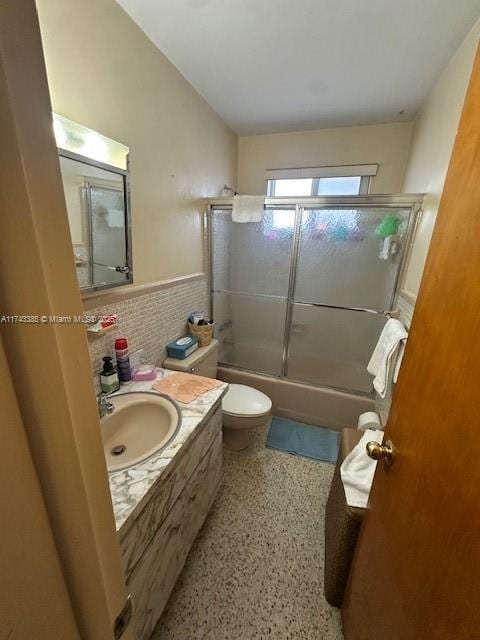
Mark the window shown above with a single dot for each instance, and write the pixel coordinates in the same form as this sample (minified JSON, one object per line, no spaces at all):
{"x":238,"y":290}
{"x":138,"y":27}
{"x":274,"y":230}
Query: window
{"x":320,"y":181}
{"x":290,"y":187}
{"x":344,"y":186}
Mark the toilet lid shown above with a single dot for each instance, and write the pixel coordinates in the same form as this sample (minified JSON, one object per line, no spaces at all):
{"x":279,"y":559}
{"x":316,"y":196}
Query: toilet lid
{"x":241,"y":400}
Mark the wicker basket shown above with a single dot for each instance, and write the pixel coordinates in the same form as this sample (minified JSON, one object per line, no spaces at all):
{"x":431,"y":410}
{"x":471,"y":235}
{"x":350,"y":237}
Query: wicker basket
{"x":204,"y":333}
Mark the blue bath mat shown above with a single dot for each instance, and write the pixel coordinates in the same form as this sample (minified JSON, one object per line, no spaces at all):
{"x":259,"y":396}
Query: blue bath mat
{"x":304,"y":440}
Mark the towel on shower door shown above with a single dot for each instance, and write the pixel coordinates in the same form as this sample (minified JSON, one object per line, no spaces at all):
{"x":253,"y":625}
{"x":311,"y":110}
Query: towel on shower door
{"x":398,"y":363}
{"x":383,"y":355}
{"x":357,"y":470}
{"x":248,"y":208}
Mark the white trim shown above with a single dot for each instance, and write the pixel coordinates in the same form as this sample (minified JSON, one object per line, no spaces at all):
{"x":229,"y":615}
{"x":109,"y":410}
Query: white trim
{"x":323,"y":172}
{"x":365,"y":184}
{"x":409,"y":296}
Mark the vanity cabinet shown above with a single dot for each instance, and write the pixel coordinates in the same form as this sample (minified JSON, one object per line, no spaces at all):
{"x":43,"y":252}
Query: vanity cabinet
{"x":156,"y":544}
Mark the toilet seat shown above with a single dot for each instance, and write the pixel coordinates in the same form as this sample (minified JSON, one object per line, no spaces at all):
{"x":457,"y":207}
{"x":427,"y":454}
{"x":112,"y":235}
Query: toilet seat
{"x":242,"y":401}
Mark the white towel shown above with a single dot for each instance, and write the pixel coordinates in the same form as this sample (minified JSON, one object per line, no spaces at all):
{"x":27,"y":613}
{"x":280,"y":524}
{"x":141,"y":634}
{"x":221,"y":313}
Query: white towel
{"x":398,"y":363}
{"x":357,"y":471}
{"x":116,"y":218}
{"x":248,"y":208}
{"x":383,"y":355}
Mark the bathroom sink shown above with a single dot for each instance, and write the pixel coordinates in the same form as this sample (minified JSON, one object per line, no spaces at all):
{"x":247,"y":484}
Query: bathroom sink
{"x":141,"y":424}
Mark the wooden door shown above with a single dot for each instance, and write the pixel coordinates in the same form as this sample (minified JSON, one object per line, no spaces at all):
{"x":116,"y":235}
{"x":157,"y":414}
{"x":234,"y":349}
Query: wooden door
{"x":416,"y":573}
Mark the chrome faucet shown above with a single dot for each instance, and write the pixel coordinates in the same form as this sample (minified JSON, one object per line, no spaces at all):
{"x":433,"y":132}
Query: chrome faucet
{"x":104,"y":405}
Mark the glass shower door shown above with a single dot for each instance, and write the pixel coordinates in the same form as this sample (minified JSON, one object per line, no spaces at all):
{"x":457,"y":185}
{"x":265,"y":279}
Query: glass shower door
{"x":251,"y":274}
{"x":346,"y":272}
{"x":108,"y":238}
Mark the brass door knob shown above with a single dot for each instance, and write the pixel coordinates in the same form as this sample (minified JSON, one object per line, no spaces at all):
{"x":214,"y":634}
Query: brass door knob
{"x":378,"y":451}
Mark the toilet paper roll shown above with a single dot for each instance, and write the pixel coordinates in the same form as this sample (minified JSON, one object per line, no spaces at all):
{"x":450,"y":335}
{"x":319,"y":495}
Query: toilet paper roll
{"x":369,"y":420}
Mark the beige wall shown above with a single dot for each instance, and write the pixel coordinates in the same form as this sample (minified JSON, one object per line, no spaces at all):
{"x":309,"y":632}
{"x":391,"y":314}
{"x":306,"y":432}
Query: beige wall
{"x":386,"y":144}
{"x":434,"y":133}
{"x":106,"y":74}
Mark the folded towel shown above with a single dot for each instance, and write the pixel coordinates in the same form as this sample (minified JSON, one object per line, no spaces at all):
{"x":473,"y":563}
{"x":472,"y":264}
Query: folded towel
{"x":357,"y":471}
{"x":383,"y":355}
{"x":185,"y":387}
{"x":248,"y":208}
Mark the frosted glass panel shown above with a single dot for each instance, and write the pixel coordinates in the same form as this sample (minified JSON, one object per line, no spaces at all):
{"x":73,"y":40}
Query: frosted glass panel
{"x":333,"y":346}
{"x":250,"y":331}
{"x":253,"y":257}
{"x":108,"y":234}
{"x":350,"y":257}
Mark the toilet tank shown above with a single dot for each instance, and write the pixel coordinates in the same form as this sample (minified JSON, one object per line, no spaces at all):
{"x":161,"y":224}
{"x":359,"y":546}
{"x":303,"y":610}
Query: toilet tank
{"x":203,"y":361}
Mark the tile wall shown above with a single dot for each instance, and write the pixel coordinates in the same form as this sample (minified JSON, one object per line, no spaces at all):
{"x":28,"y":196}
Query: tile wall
{"x":150,"y":321}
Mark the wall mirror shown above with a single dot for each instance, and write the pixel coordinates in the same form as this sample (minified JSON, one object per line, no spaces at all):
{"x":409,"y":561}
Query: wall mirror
{"x":95,"y":181}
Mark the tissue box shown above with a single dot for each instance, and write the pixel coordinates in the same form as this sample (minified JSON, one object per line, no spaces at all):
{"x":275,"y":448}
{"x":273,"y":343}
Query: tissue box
{"x":183,"y":347}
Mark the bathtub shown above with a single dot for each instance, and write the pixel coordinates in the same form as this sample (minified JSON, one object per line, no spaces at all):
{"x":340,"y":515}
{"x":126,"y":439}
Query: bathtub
{"x":303,"y":402}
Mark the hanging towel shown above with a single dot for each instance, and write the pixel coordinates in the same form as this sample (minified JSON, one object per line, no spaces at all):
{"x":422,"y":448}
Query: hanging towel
{"x":116,"y":218}
{"x":383,"y":355}
{"x":398,"y":363}
{"x":248,"y":208}
{"x":357,"y":471}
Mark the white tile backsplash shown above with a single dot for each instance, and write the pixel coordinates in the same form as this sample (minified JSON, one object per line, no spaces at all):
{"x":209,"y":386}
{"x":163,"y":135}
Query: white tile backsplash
{"x":150,"y":321}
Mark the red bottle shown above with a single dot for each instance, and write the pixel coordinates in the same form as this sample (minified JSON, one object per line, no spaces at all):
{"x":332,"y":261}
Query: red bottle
{"x":123,"y":361}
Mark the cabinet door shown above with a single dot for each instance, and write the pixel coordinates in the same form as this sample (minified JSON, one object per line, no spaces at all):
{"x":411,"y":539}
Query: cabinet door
{"x":154,"y":577}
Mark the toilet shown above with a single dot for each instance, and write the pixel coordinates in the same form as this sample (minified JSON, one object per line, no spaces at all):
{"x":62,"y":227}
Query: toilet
{"x":244,"y":409}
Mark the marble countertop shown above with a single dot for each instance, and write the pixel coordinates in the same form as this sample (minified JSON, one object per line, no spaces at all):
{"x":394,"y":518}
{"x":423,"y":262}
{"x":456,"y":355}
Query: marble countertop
{"x":129,"y":487}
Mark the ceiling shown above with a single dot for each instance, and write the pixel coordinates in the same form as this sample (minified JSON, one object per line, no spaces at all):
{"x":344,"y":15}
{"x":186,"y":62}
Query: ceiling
{"x":288,"y":65}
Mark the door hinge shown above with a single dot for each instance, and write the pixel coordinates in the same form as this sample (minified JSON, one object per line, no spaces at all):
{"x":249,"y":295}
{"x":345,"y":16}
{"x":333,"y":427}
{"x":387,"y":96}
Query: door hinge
{"x":123,"y":619}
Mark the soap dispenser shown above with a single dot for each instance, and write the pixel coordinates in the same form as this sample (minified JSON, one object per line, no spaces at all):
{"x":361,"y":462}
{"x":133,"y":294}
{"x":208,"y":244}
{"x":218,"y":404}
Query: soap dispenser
{"x":109,"y":377}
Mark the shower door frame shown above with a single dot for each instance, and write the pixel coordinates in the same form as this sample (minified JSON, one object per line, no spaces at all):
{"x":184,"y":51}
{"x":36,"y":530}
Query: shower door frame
{"x":406,"y":201}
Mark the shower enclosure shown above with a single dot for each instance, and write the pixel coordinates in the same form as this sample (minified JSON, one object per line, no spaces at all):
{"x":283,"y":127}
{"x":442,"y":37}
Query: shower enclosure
{"x":303,"y":294}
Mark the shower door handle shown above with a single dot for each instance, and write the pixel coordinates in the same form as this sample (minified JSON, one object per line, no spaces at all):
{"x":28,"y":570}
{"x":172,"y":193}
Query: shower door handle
{"x":119,"y":268}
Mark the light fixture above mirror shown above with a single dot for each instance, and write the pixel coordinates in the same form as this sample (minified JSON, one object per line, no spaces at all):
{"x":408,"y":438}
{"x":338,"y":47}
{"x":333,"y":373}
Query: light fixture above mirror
{"x":74,"y":137}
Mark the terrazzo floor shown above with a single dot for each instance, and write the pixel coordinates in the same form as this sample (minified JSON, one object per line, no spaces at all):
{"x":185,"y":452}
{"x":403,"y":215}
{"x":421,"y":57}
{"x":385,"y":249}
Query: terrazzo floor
{"x":256,"y":568}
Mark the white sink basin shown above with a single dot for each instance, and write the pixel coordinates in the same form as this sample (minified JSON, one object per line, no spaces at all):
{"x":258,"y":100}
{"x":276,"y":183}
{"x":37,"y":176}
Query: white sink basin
{"x":142,"y":423}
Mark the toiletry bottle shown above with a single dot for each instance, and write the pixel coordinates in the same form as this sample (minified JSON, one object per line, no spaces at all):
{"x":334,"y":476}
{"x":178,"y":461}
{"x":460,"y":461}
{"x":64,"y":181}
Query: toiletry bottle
{"x":123,"y":361}
{"x":108,"y":376}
